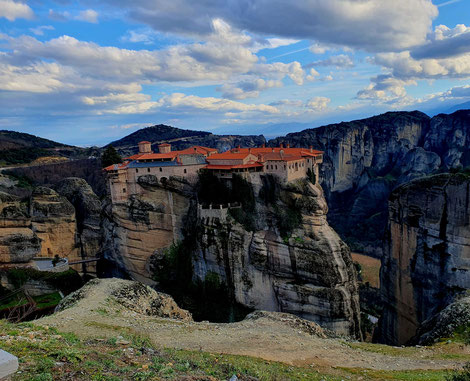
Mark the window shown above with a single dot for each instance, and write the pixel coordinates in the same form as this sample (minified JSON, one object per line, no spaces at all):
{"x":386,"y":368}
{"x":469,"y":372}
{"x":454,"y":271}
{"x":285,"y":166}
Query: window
{"x":123,"y":190}
{"x":185,"y":171}
{"x":285,"y":167}
{"x":148,"y":169}
{"x":161,"y":169}
{"x":276,"y":167}
{"x":136,"y":170}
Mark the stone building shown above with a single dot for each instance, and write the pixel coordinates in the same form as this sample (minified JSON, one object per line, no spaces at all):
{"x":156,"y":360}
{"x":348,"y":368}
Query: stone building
{"x":286,"y":163}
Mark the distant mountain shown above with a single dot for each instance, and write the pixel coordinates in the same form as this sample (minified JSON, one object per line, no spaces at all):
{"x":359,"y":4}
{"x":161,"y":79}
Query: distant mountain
{"x":461,"y":106}
{"x":19,"y":148}
{"x":156,"y":134}
{"x":180,"y":139}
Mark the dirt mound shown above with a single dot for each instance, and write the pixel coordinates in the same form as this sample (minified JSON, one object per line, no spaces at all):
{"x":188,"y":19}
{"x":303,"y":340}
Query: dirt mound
{"x":134,"y":296}
{"x":292,"y":321}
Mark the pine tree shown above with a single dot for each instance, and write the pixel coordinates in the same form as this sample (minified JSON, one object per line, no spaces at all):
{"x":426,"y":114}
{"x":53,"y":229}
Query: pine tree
{"x":110,"y":156}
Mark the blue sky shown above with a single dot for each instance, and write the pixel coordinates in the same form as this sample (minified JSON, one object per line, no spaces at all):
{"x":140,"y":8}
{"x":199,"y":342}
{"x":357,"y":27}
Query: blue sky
{"x":86,"y":72}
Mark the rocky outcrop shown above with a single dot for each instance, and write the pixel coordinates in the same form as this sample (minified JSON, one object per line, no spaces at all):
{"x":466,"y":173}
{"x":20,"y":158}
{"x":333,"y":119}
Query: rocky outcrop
{"x":87,"y":207}
{"x":449,"y":137}
{"x":131,"y":295}
{"x":145,"y":224}
{"x":426,"y":262}
{"x":47,"y":223}
{"x":53,"y":221}
{"x":304,"y":269}
{"x":380,"y":153}
{"x":445,"y":323}
{"x":307,"y":272}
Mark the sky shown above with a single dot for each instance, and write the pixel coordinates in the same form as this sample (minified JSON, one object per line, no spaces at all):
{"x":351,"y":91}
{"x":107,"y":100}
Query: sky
{"x":88,"y":72}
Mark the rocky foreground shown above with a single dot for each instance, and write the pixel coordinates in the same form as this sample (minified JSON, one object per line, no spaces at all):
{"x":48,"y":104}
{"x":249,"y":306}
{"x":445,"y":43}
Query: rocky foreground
{"x":110,"y":308}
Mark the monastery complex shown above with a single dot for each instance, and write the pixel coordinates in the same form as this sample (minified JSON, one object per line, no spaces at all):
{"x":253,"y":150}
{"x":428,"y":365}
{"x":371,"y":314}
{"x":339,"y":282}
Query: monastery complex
{"x":286,"y":163}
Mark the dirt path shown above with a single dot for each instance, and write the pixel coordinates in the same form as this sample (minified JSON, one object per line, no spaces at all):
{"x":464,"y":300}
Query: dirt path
{"x":99,"y":316}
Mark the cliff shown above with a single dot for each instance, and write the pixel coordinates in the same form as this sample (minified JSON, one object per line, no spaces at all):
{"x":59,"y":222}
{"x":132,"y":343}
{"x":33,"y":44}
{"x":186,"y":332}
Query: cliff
{"x":426,"y":262}
{"x":45,"y":223}
{"x":366,"y":159}
{"x":264,"y":261}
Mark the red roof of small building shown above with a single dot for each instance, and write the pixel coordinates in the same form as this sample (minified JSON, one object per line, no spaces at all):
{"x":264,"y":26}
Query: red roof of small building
{"x":164,"y":145}
{"x":144,"y":142}
{"x":115,"y":167}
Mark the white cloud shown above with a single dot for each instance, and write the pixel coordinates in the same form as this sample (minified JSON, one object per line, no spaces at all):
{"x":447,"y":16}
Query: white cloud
{"x":312,"y":75}
{"x":88,"y":15}
{"x":318,"y":104}
{"x":144,"y":35}
{"x":385,"y":88}
{"x":39,"y":31}
{"x":12,"y":10}
{"x":367,"y":24}
{"x":248,"y":88}
{"x":339,"y":61}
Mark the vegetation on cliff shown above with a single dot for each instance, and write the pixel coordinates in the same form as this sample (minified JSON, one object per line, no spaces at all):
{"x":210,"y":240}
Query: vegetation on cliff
{"x":110,"y":157}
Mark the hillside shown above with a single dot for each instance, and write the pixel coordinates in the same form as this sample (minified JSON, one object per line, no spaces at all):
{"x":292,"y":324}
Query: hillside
{"x":181,"y":139}
{"x":114,"y":325}
{"x":17,"y":148}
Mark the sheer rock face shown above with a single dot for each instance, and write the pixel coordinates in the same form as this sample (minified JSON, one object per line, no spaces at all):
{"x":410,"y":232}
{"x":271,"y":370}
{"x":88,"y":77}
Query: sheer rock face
{"x":46,"y":224}
{"x":426,"y":261}
{"x":310,"y":275}
{"x":87,"y":208}
{"x":145,"y":224}
{"x":53,"y":221}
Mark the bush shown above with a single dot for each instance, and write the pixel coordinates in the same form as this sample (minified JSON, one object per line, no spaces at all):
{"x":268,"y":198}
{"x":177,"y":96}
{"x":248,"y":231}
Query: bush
{"x":67,"y":281}
{"x":463,"y":375}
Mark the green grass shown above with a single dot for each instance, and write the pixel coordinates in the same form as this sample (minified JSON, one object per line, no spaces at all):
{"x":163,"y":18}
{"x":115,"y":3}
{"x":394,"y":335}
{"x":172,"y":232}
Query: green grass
{"x":46,"y":354}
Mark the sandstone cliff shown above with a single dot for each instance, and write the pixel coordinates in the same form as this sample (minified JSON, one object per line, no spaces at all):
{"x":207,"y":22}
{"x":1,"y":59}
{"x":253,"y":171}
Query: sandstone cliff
{"x":306,"y":271}
{"x":426,"y":261}
{"x":45,"y":223}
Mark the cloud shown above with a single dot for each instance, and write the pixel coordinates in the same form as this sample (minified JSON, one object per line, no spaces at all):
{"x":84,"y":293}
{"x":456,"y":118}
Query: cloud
{"x":385,"y":88}
{"x":247,"y":89}
{"x":367,"y":24}
{"x":318,"y":104}
{"x":144,"y":35}
{"x":59,"y":16}
{"x":88,"y":15}
{"x":12,"y":10}
{"x":339,"y":61}
{"x":39,"y":31}
{"x":446,"y":43}
{"x":313,"y":75}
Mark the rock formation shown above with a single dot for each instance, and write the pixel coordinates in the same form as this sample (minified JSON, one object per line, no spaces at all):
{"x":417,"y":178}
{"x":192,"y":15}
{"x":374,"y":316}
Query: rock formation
{"x":45,"y":223}
{"x":445,"y":323}
{"x":426,"y":262}
{"x":307,"y":272}
{"x":365,"y":159}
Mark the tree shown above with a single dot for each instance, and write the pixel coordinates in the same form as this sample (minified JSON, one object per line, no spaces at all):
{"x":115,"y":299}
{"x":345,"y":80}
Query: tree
{"x":110,"y":157}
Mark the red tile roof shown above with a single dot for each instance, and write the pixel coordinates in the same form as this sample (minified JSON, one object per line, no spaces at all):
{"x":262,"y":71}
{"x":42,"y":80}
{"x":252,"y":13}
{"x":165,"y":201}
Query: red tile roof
{"x":229,"y":167}
{"x":145,"y":142}
{"x":115,"y":167}
{"x":291,"y":151}
{"x":228,"y":156}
